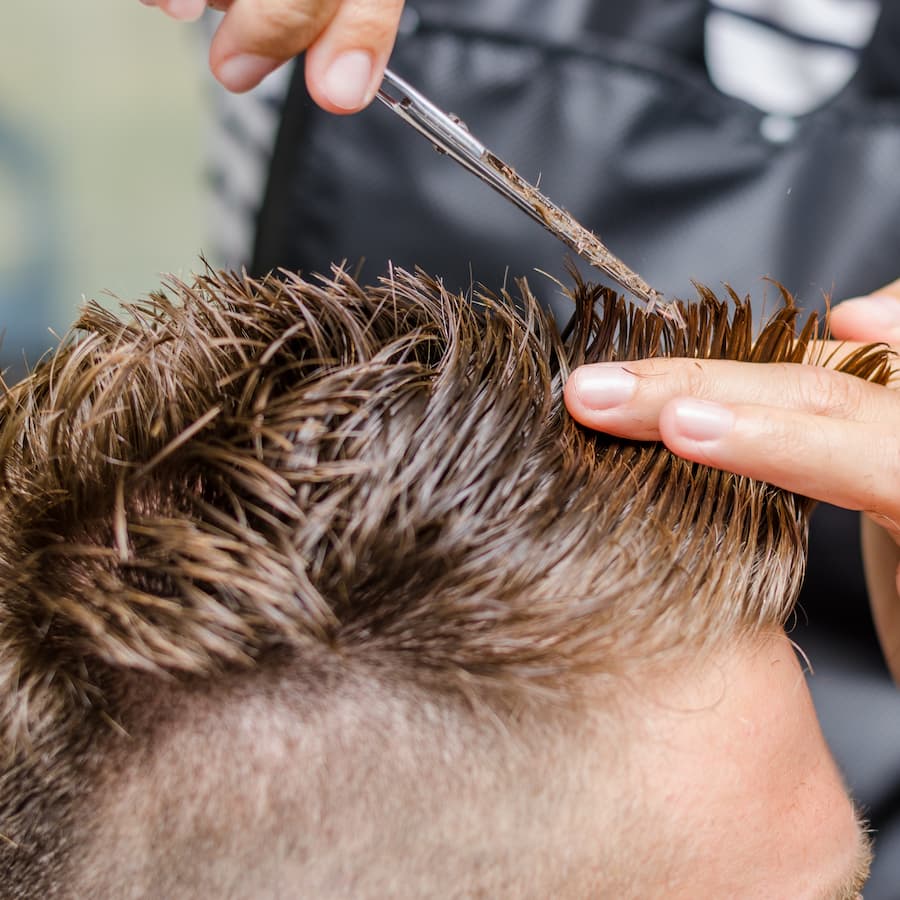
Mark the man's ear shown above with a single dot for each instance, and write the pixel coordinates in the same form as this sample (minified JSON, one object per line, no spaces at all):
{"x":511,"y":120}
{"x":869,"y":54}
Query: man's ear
{"x":881,"y":560}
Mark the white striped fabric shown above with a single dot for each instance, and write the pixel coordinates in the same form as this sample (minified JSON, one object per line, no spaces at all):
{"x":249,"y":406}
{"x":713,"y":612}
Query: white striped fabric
{"x":241,"y":143}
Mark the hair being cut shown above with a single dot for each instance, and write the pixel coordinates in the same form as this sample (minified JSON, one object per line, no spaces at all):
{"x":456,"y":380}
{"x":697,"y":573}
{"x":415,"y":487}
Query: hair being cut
{"x":352,"y":485}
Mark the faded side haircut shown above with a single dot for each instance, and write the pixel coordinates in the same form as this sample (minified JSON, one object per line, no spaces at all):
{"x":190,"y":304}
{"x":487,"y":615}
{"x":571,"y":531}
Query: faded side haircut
{"x":350,"y":493}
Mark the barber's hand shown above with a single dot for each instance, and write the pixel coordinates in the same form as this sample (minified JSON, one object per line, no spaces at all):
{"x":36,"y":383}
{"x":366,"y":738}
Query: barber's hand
{"x":348,"y":43}
{"x":808,"y":429}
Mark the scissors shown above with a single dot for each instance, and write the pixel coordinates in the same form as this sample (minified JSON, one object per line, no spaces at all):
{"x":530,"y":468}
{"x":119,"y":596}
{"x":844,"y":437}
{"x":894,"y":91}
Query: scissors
{"x":450,"y":135}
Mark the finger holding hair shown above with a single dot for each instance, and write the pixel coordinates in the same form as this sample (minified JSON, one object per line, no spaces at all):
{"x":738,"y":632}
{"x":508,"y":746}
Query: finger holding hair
{"x":626,"y":399}
{"x":809,"y":429}
{"x":850,"y":463}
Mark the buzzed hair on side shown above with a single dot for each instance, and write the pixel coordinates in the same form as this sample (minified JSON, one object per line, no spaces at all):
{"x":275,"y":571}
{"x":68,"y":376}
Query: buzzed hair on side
{"x":353,"y":527}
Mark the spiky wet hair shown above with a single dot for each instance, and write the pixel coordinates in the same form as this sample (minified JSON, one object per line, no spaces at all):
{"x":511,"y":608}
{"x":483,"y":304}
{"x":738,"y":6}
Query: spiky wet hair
{"x":380,"y":479}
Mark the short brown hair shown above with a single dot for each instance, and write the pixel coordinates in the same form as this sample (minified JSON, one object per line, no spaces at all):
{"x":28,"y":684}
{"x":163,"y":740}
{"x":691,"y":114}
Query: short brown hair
{"x":381,"y":480}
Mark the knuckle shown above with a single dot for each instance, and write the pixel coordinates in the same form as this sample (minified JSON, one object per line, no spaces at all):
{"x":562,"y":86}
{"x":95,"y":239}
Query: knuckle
{"x":370,"y":24}
{"x":824,"y":391}
{"x":694,"y":378}
{"x":371,"y":32}
{"x":668,"y":370}
{"x":279,"y":22}
{"x":662,"y":378}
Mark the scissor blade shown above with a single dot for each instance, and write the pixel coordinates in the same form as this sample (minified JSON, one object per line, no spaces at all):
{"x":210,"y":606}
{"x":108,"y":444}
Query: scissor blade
{"x":450,"y":136}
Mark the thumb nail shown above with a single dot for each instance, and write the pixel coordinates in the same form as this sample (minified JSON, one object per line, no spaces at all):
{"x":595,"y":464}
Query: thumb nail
{"x":347,"y":80}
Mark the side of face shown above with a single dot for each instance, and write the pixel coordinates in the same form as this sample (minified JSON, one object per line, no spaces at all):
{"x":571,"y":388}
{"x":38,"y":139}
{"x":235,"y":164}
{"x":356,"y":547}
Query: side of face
{"x":735,"y":769}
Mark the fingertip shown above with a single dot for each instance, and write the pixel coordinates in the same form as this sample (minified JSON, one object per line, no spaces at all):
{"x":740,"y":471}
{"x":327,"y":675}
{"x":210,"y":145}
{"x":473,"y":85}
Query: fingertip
{"x":602,"y":387}
{"x":346,"y":82}
{"x":183,"y":10}
{"x":257,"y":36}
{"x":243,"y":72}
{"x":875,"y":317}
{"x":345,"y":64}
{"x":695,"y":429}
{"x":572,"y":400}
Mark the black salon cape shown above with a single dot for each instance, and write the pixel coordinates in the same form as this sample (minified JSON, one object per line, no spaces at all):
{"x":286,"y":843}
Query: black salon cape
{"x":611,"y":105}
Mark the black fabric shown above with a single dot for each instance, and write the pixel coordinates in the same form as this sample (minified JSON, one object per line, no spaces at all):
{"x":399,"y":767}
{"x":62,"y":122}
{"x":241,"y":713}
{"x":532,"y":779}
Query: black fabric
{"x":611,"y":106}
{"x":631,"y":136}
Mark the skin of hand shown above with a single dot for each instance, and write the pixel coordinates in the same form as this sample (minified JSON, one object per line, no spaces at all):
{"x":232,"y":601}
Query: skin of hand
{"x":804,"y":428}
{"x":347,"y":43}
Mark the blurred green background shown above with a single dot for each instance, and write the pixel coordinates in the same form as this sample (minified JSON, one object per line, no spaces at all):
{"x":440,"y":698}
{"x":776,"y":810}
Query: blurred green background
{"x":103,"y":107}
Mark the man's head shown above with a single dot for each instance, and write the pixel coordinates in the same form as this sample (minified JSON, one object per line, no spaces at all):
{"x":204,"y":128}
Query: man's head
{"x":314,"y":590}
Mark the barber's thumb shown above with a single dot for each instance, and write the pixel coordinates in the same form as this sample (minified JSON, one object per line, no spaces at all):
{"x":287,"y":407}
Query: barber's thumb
{"x":874,"y":317}
{"x":345,"y":66}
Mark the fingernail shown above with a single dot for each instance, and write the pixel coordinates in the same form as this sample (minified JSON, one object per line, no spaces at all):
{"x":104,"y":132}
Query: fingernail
{"x":185,"y":9}
{"x":699,"y":420}
{"x":347,"y":79}
{"x":240,"y":73}
{"x":880,"y":309}
{"x":603,"y":387}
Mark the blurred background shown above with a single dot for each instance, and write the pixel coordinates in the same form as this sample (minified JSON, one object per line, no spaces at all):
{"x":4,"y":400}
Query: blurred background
{"x":102,"y":126}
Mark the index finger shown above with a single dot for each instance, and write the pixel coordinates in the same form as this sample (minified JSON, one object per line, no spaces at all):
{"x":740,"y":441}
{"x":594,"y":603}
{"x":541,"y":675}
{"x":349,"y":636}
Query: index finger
{"x":256,"y":36}
{"x":626,"y":399}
